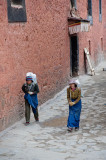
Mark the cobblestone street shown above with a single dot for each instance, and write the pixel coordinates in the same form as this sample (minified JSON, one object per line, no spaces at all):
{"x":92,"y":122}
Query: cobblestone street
{"x":49,"y":138}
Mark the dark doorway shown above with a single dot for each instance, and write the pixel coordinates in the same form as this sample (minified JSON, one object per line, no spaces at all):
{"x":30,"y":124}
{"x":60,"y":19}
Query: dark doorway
{"x":74,"y":55}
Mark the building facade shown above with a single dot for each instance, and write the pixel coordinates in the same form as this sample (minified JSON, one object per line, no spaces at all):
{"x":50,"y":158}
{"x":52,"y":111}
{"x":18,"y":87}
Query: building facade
{"x":35,"y":37}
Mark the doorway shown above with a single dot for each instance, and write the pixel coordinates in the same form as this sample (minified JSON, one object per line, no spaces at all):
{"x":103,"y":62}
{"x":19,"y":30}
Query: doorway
{"x":74,"y":55}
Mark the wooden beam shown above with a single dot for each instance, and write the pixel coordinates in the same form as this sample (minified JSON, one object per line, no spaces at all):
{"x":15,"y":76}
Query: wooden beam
{"x":89,"y":61}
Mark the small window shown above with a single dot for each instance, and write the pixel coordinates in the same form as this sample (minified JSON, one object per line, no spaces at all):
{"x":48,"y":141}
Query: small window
{"x":101,"y":44}
{"x":89,"y":47}
{"x":90,"y":11}
{"x":100,"y":10}
{"x":89,"y":7}
{"x":16,"y":11}
{"x":73,"y":4}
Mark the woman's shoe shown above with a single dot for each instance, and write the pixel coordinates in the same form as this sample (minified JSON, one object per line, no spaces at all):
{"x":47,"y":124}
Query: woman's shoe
{"x":70,"y":129}
{"x":76,"y":128}
{"x":27,"y":123}
{"x":37,"y":119}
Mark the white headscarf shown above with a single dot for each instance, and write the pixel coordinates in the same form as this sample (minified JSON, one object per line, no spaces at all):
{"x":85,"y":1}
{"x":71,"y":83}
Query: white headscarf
{"x":33,"y":77}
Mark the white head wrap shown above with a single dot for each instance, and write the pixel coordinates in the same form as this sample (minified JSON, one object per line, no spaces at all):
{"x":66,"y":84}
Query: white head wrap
{"x":33,"y":76}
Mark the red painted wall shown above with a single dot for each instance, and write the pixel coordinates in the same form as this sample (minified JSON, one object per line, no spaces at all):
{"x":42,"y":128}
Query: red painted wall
{"x":42,"y":46}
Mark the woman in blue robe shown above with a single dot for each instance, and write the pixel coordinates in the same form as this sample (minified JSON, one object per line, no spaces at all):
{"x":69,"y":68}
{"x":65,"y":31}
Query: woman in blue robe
{"x":74,"y":100}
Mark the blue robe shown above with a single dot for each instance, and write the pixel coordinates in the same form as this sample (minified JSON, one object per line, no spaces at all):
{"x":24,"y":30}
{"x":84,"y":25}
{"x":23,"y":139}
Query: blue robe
{"x":32,"y":100}
{"x":74,"y":115}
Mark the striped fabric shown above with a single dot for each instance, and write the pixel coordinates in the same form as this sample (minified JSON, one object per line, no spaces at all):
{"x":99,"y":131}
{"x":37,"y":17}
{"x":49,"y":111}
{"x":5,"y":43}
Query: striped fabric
{"x":29,"y":78}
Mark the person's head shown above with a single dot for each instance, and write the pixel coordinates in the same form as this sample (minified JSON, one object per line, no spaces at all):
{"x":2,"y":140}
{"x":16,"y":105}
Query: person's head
{"x":73,"y":84}
{"x":29,"y":80}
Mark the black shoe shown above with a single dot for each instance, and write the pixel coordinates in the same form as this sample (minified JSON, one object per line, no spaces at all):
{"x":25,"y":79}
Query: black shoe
{"x":27,"y":123}
{"x":70,"y":129}
{"x":76,"y":128}
{"x":37,"y":119}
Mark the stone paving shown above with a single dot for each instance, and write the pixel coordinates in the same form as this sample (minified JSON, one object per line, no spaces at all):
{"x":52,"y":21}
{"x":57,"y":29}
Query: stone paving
{"x":49,"y":138}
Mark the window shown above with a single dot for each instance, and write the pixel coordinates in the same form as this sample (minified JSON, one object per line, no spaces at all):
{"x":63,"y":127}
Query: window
{"x":89,"y":47}
{"x":16,"y":4}
{"x":16,"y":11}
{"x":73,"y":4}
{"x":90,"y":11}
{"x":90,"y":7}
{"x":100,"y":10}
{"x":101,"y":44}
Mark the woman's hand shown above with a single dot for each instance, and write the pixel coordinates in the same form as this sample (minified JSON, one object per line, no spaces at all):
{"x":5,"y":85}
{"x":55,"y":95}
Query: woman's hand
{"x":30,"y":93}
{"x":71,"y":103}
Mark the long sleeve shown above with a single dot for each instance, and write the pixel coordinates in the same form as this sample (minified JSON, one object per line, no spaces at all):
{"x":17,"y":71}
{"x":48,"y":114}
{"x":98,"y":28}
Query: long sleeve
{"x":79,"y":96}
{"x":68,"y":95}
{"x":36,"y":89}
{"x":24,"y":88}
